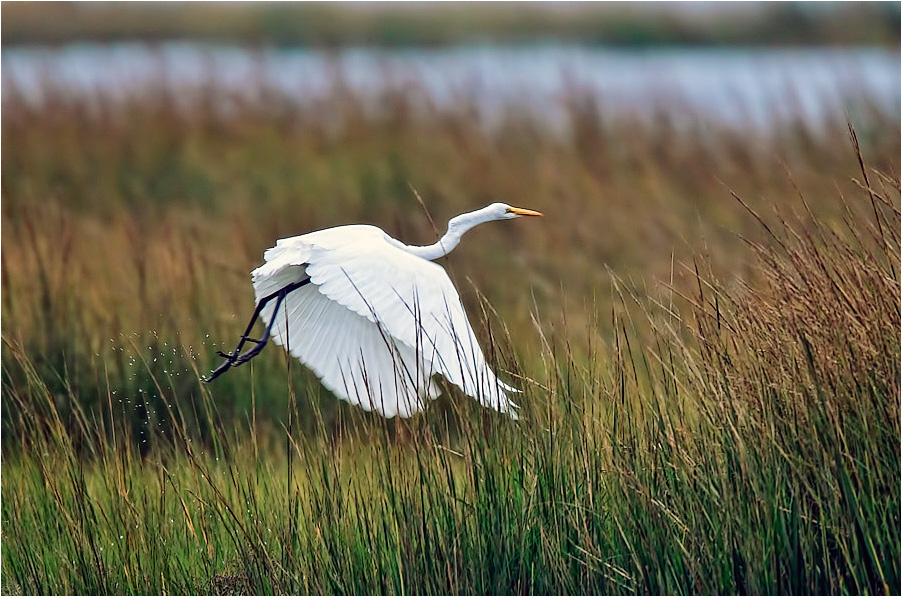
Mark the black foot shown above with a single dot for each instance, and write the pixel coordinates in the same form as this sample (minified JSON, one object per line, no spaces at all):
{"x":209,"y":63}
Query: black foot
{"x":218,"y":371}
{"x":235,"y":359}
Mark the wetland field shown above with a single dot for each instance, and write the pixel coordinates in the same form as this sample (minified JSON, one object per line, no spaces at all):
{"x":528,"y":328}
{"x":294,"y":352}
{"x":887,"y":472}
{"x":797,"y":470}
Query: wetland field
{"x":705,"y":325}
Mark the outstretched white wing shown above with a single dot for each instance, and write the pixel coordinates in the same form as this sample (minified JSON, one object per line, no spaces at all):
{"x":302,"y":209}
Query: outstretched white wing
{"x":377,"y":323}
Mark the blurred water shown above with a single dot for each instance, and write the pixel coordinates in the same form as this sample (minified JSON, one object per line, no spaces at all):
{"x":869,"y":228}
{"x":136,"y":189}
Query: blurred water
{"x":758,"y":87}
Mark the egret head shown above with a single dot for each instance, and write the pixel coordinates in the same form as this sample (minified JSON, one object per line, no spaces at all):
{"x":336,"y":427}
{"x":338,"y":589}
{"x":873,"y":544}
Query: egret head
{"x":458,"y":225}
{"x":502,"y":211}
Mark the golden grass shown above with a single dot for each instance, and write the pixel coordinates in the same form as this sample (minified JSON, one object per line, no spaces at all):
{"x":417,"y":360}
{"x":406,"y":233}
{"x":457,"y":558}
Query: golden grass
{"x":706,"y":326}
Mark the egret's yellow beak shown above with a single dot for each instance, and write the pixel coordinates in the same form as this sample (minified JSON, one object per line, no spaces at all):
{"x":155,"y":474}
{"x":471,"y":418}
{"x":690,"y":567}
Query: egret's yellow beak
{"x":523,"y":212}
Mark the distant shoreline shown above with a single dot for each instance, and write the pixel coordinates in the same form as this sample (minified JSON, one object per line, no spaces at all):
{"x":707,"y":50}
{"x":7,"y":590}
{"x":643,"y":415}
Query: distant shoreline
{"x":758,"y":88}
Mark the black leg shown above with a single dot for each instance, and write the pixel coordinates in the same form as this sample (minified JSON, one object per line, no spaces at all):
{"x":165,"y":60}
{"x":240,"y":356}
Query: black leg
{"x":236,"y":357}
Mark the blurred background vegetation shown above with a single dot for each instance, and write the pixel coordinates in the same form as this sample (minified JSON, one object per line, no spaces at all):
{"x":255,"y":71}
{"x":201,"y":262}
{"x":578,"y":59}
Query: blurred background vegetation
{"x":629,"y":24}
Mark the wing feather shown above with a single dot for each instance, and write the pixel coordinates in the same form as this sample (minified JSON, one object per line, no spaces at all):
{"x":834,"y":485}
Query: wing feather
{"x":377,"y":323}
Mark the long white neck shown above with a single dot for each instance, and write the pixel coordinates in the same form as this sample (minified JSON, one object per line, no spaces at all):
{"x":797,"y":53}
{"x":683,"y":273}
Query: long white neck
{"x":457,"y":226}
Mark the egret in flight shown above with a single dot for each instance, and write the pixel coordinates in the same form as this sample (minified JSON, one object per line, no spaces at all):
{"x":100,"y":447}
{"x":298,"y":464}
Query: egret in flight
{"x":373,"y":318}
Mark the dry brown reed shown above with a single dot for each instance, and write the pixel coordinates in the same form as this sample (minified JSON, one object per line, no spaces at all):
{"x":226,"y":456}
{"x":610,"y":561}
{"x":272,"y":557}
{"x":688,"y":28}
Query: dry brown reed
{"x":706,"y":325}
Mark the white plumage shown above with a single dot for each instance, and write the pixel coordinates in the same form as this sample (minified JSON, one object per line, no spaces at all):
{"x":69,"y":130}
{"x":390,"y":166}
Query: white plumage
{"x":378,"y":320}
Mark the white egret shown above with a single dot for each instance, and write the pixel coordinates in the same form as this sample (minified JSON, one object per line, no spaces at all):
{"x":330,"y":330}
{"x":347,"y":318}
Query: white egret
{"x":374,"y":319}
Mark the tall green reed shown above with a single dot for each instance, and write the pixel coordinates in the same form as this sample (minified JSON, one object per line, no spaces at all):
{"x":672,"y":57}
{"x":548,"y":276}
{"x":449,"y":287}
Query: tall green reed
{"x":748,"y":443}
{"x":736,"y":430}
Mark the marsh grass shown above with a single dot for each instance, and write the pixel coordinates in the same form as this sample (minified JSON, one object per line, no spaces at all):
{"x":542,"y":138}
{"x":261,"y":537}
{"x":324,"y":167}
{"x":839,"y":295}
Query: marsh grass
{"x":735,"y":429}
